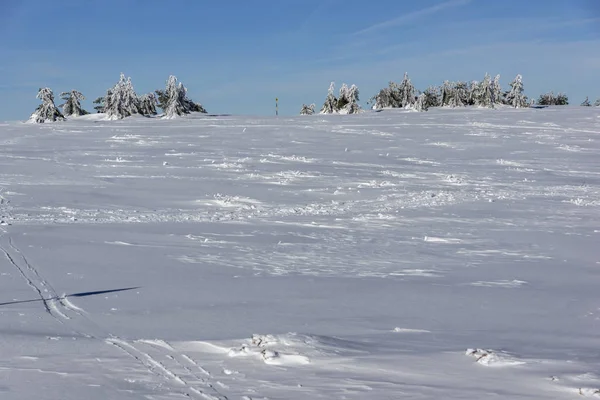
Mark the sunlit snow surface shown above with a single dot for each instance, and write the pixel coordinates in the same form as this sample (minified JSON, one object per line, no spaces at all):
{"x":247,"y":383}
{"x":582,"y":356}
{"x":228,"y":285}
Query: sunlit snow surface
{"x":453,"y":254}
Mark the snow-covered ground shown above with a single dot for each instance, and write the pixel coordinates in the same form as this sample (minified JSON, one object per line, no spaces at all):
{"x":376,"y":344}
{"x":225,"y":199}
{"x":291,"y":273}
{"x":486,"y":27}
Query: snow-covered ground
{"x":453,"y":254}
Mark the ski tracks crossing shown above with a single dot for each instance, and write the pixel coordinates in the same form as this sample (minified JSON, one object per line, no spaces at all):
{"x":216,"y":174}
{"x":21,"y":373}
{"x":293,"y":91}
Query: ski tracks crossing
{"x":178,"y":372}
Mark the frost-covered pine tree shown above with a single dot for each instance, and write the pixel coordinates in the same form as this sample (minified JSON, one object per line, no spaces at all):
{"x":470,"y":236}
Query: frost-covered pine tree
{"x":382,"y":100}
{"x":47,"y":111}
{"x":446,"y":94}
{"x":455,"y":94}
{"x":461,"y":90}
{"x":547,"y":99}
{"x":388,"y":97}
{"x":472,"y":93}
{"x":352,"y":98}
{"x":307,"y":110}
{"x":597,"y":103}
{"x":483,"y":94}
{"x":330,"y":104}
{"x":72,"y":105}
{"x":175,"y":95}
{"x":432,"y":96}
{"x":586,"y":102}
{"x":130,"y":97}
{"x":562,"y":99}
{"x":406,"y":92}
{"x":497,"y":97}
{"x":100,"y":101}
{"x":147,"y":104}
{"x":343,"y":98}
{"x":121,"y":101}
{"x":174,"y":101}
{"x":515,"y":96}
{"x":421,"y":103}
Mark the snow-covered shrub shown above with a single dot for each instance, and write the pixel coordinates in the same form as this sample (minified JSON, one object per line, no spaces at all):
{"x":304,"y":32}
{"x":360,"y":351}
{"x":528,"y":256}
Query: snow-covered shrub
{"x":72,"y":105}
{"x":562,"y":99}
{"x":549,"y":99}
{"x":47,"y":111}
{"x":307,"y":110}
{"x":586,"y":102}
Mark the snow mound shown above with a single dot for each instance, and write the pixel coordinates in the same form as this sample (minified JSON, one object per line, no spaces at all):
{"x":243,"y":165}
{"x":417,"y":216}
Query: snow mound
{"x":296,"y":349}
{"x":268,"y":349}
{"x":491,"y":358}
{"x":589,"y":392}
{"x":409,"y":330}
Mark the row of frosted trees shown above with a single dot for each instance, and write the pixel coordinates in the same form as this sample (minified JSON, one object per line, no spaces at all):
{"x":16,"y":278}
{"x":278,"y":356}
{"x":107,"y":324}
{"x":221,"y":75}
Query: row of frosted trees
{"x":487,"y":93}
{"x":120,"y":101}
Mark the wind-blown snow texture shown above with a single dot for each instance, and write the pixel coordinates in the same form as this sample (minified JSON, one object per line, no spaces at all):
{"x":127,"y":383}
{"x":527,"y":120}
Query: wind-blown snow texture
{"x":443,"y":255}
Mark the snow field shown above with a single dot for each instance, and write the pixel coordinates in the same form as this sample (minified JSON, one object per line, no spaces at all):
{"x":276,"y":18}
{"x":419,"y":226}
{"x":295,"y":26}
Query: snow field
{"x":343,"y":257}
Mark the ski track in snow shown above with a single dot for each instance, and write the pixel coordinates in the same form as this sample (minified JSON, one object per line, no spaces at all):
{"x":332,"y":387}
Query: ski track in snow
{"x":322,"y":208}
{"x":165,"y":363}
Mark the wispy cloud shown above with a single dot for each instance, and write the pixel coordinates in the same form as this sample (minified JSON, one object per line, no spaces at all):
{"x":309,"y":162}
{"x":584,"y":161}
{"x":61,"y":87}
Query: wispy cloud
{"x":412,"y":16}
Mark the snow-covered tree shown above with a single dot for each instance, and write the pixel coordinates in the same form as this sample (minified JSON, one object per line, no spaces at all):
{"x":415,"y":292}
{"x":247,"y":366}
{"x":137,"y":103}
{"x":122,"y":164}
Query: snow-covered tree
{"x":546,"y":99}
{"x":432,"y":97}
{"x":121,"y":101}
{"x":586,"y":102}
{"x":483,"y":94}
{"x":47,"y":111}
{"x":497,"y":97}
{"x":562,"y":99}
{"x":174,"y":101}
{"x":343,"y":98}
{"x":446,"y":94}
{"x":147,"y":104}
{"x":597,"y":103}
{"x":515,"y":96}
{"x":72,"y":105}
{"x":351,"y":99}
{"x":330,"y":104}
{"x":421,"y":103}
{"x":455,"y":94}
{"x":549,"y":99}
{"x":406,"y":92}
{"x":175,"y":93}
{"x":388,"y":97}
{"x":383,"y":99}
{"x":100,"y":101}
{"x":307,"y":110}
{"x":472,"y":93}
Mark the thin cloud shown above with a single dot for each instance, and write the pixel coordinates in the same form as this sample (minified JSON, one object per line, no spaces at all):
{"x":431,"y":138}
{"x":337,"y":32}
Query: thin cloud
{"x":406,"y":18}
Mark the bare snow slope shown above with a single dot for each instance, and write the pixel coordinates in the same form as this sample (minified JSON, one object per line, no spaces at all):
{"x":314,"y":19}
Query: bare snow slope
{"x":453,"y":254}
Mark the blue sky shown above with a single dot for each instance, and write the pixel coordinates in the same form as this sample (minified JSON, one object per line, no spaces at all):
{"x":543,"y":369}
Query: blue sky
{"x":237,"y":56}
